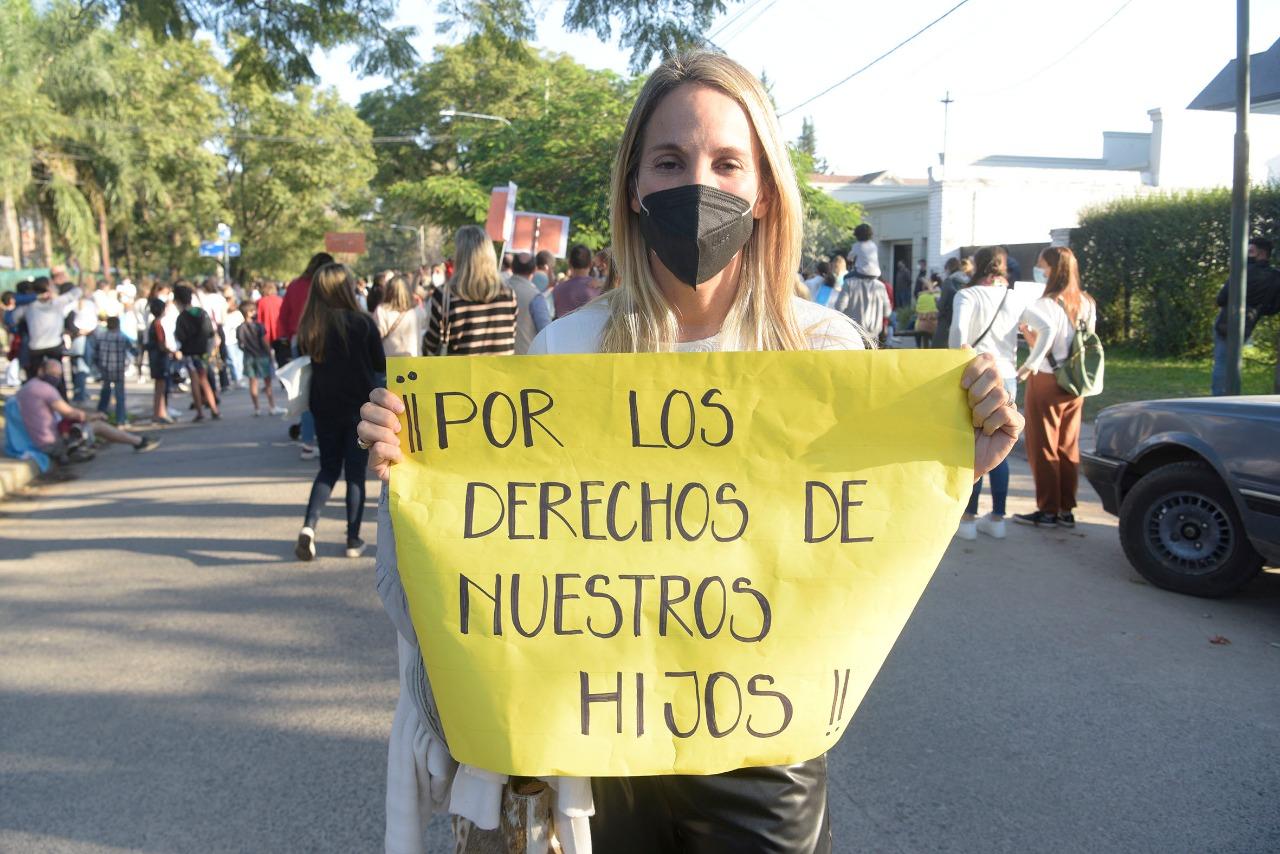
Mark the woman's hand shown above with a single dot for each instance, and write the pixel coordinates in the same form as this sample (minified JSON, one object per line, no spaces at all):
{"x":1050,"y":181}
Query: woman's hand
{"x":996,"y":422}
{"x":378,"y":428}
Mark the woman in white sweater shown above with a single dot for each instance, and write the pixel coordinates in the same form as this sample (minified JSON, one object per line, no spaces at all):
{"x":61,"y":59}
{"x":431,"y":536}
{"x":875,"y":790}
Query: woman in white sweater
{"x":985,"y":316}
{"x":1053,"y":415}
{"x":702,"y":133}
{"x":399,"y":321}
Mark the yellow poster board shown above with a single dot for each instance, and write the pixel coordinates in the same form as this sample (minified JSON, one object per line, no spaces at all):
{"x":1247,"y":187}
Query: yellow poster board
{"x":669,"y":563}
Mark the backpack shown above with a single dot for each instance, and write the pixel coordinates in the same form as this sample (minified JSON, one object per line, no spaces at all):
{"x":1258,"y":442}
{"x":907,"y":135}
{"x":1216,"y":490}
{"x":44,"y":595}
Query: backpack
{"x":1081,"y":374}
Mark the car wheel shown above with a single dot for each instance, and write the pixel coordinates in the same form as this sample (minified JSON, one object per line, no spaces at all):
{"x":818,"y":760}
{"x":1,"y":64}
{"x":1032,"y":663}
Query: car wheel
{"x":1181,"y":531}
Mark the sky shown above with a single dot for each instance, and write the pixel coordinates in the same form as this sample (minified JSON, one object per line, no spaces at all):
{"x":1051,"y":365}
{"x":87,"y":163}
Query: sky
{"x":1027,"y":77}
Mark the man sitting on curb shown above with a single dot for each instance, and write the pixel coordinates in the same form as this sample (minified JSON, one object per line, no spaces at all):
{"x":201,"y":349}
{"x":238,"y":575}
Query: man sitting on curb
{"x":48,"y":418}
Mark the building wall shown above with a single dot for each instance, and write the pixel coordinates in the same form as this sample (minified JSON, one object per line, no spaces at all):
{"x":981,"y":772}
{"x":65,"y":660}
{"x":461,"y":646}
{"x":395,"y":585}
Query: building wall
{"x":1016,"y":205}
{"x":898,"y":221}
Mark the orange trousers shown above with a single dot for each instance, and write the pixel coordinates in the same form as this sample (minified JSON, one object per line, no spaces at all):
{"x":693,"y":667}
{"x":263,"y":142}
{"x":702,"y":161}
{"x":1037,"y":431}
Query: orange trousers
{"x":1053,"y":442}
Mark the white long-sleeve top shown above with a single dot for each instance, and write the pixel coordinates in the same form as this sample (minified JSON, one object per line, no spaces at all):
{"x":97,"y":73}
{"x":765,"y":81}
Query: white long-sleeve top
{"x":975,"y":308}
{"x":422,"y":778}
{"x":1054,"y":331}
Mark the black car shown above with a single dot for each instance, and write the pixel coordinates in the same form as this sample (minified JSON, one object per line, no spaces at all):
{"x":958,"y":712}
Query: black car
{"x":1196,"y":485}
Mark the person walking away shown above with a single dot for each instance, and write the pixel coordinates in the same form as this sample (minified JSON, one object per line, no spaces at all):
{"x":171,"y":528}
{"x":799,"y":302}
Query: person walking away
{"x":1261,"y":299}
{"x":901,"y":285}
{"x":400,"y":322}
{"x":267,"y":312}
{"x":922,"y":278}
{"x":986,"y":317}
{"x":828,"y":293}
{"x":158,"y":358}
{"x":251,"y":340}
{"x":821,"y":283}
{"x":230,"y":328}
{"x":865,"y":301}
{"x":864,"y":257}
{"x":346,"y":358}
{"x":111,"y":352}
{"x":544,"y":278}
{"x":474,"y":314}
{"x":45,"y":317}
{"x":927,"y":312}
{"x":956,"y":278}
{"x":698,"y":104}
{"x":579,"y":289}
{"x":193,"y":331}
{"x":1053,"y":415}
{"x":291,"y":306}
{"x":531,"y":309}
{"x":49,"y":419}
{"x":81,"y":323}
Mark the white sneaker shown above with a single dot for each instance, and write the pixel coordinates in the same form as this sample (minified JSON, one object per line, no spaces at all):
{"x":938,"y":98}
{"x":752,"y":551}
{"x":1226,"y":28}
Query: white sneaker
{"x":993,"y":528}
{"x":278,"y":410}
{"x":256,"y":413}
{"x":306,"y":546}
{"x":968,"y":530}
{"x":309,"y":452}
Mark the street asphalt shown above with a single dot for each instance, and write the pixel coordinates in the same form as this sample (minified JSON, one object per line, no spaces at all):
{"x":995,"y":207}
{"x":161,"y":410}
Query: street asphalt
{"x":173,"y":680}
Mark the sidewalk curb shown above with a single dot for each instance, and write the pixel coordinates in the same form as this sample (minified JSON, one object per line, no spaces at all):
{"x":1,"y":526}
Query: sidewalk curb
{"x":15,"y":475}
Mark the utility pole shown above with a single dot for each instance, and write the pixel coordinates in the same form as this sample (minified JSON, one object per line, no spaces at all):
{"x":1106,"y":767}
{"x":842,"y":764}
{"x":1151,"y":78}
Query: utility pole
{"x":946,"y":117}
{"x":1239,"y":205}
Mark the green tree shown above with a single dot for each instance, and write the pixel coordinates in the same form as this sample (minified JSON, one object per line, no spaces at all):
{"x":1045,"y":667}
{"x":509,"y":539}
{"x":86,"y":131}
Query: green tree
{"x":297,"y":165}
{"x":648,"y":28}
{"x":273,"y":42}
{"x":565,"y":123}
{"x":828,"y":222}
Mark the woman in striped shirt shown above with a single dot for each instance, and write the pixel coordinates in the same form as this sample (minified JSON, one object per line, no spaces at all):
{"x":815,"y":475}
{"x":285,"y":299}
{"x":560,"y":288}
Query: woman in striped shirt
{"x":479,"y":311}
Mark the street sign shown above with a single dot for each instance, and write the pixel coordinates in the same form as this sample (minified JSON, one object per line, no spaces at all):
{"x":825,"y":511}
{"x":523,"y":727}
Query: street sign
{"x":224,"y":231}
{"x":215,"y":248}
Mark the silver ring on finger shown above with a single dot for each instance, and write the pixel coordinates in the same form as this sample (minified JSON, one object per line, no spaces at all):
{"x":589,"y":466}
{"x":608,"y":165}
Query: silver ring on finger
{"x":362,"y":444}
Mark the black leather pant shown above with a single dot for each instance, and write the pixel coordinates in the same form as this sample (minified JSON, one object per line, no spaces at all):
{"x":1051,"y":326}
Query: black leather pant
{"x":778,"y":809}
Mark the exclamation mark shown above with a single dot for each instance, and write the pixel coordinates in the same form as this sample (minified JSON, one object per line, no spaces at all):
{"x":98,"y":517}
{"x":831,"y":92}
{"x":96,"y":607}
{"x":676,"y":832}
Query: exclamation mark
{"x":840,"y":689}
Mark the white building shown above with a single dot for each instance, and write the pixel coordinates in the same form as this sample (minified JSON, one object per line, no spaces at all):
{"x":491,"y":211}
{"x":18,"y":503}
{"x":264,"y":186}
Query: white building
{"x":1025,"y":203}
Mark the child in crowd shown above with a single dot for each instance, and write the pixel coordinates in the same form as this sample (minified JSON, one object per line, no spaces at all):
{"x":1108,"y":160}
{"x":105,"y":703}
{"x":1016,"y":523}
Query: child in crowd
{"x":111,"y":352}
{"x":251,"y":336}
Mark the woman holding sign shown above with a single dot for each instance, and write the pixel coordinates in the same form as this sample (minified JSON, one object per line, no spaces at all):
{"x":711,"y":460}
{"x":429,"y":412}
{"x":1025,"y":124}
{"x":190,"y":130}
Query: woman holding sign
{"x":706,"y":223}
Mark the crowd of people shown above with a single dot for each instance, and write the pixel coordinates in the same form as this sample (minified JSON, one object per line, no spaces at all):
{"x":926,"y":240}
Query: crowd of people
{"x":976,"y":306}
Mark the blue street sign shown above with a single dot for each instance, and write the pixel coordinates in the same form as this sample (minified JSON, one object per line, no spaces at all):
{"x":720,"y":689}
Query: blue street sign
{"x":212,"y":249}
{"x":233,"y":249}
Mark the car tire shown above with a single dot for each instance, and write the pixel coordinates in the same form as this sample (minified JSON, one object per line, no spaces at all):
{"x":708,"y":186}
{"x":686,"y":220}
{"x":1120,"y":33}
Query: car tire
{"x":1181,"y":531}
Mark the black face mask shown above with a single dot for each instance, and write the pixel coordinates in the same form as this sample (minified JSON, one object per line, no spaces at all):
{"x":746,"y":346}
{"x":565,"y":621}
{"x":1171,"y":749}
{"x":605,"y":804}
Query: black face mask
{"x":695,"y":229}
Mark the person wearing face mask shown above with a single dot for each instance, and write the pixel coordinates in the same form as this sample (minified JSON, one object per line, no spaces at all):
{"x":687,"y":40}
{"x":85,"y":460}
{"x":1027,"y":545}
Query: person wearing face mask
{"x":1053,"y":415}
{"x":1261,"y":299}
{"x":706,"y":221}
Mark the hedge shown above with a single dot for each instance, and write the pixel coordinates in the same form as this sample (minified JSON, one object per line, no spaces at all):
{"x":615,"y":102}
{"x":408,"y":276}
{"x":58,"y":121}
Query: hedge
{"x":1155,"y":264}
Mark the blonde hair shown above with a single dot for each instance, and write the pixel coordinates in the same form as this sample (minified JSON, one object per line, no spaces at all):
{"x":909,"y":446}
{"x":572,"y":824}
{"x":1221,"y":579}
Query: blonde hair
{"x":761,"y":317}
{"x":396,"y":294}
{"x":839,"y":267}
{"x":475,"y":274}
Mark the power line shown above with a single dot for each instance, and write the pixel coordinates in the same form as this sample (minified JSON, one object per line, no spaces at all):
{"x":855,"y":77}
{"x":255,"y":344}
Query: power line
{"x":752,"y":20}
{"x":882,"y":56}
{"x":729,"y":22}
{"x":1059,"y":60}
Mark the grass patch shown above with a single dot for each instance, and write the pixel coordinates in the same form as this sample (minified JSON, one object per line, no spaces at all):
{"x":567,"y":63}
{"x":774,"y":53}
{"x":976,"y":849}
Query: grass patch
{"x":1133,"y":376}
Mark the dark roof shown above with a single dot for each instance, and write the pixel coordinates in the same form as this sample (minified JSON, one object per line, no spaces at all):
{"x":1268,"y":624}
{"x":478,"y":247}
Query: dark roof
{"x":1264,"y":83}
